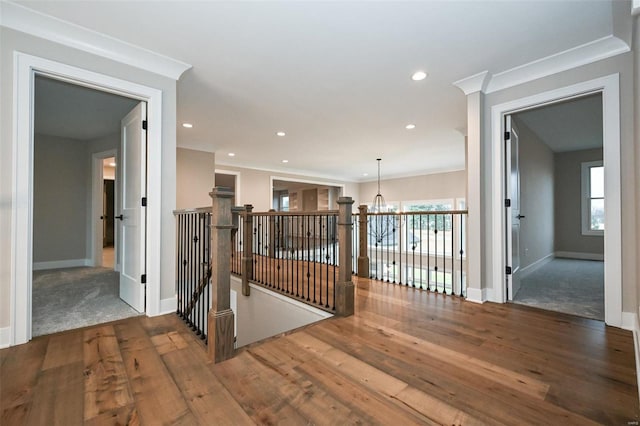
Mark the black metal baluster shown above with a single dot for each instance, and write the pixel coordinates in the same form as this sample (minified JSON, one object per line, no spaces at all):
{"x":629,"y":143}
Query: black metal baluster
{"x":428,"y":253}
{"x":435,"y":267}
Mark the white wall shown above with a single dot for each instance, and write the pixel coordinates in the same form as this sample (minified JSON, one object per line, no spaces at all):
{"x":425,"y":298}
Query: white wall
{"x":636,"y":73}
{"x":195,"y":178}
{"x":12,"y":41}
{"x":536,"y":197}
{"x":622,"y":64}
{"x":60,"y":202}
{"x":568,"y":196}
{"x":265,"y":313}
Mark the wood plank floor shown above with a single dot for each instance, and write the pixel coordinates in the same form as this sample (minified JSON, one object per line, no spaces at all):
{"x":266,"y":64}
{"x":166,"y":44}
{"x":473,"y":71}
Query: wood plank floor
{"x":405,"y":357}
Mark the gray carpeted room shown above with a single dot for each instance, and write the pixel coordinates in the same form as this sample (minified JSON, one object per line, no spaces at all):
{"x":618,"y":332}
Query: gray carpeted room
{"x":570,"y":286}
{"x":65,"y":299}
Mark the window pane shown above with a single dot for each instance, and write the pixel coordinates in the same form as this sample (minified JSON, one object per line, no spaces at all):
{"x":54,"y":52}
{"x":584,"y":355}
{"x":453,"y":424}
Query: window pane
{"x":597,"y":215}
{"x":597,"y":182}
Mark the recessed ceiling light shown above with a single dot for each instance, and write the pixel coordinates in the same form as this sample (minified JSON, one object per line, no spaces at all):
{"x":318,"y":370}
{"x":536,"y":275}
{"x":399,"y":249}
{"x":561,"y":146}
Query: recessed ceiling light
{"x":231,"y":154}
{"x":112,"y":164}
{"x":410,"y":126}
{"x":187,"y":125}
{"x":285,"y":161}
{"x":280,"y":133}
{"x":419,"y":75}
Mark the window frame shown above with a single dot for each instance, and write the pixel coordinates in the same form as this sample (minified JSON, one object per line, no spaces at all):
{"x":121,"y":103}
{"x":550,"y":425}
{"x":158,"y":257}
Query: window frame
{"x":585,"y":198}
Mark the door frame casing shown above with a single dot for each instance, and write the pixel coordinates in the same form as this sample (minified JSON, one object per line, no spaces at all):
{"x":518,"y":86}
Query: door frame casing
{"x":609,"y":87}
{"x":97,"y":206}
{"x":26,"y":66}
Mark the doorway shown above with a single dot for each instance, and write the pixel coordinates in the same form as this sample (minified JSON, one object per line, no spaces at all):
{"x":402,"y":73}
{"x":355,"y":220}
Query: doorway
{"x":72,"y":287}
{"x":555,"y":182}
{"x":609,"y":86}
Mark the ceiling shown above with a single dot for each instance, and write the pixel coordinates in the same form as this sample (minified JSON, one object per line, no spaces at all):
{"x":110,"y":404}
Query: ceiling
{"x":70,"y":111}
{"x":335,"y":76}
{"x":568,"y":126}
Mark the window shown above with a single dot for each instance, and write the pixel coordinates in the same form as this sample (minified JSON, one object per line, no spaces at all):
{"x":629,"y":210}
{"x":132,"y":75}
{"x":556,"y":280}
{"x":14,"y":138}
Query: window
{"x":592,"y":198}
{"x":284,"y":203}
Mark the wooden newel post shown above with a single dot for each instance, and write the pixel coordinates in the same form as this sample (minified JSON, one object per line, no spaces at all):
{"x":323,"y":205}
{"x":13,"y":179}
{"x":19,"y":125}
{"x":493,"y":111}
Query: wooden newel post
{"x":363,"y":252}
{"x":272,"y":235}
{"x":344,"y":286}
{"x":220,"y":325}
{"x":247,"y":250}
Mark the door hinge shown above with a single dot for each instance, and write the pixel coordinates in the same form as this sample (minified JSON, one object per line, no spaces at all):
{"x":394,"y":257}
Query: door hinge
{"x":144,"y":124}
{"x":144,"y":201}
{"x":508,"y":271}
{"x":143,"y":279}
{"x":507,"y":202}
{"x":507,"y":135}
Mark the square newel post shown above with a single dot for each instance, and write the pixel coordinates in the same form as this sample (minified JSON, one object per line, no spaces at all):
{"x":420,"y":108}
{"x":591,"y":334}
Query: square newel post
{"x":220,"y":325}
{"x":344,"y":287}
{"x":363,"y":252}
{"x":247,"y":250}
{"x":272,"y":235}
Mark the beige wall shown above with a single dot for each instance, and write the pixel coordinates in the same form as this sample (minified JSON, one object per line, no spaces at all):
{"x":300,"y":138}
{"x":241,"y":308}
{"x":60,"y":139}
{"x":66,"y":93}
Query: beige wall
{"x":195,"y":178}
{"x":61,"y":172}
{"x":622,"y":64}
{"x":255,"y":186}
{"x":536,"y":196}
{"x":568,"y":190}
{"x":11,"y":41}
{"x":425,"y":187}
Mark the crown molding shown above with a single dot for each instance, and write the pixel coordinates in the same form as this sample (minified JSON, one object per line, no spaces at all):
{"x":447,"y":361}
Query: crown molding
{"x":584,"y":54}
{"x":475,"y":83}
{"x":23,"y":19}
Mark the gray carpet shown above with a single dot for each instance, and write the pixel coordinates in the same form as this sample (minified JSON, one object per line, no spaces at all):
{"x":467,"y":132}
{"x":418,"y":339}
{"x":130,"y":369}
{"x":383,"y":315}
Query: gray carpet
{"x":64,"y":299}
{"x":566,"y":285}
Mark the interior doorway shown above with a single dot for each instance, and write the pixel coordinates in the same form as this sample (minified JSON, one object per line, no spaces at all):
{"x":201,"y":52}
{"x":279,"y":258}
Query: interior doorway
{"x":77,"y":142}
{"x":555,"y":206}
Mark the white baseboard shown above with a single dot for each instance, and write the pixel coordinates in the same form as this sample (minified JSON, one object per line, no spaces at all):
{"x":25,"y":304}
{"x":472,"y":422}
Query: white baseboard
{"x":168,"y":306}
{"x":476,"y":295}
{"x":59,"y":264}
{"x":536,"y":265}
{"x":578,"y":255}
{"x":5,"y":337}
{"x":629,"y":321}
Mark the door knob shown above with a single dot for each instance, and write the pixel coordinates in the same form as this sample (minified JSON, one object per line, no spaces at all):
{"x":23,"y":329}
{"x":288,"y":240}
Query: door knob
{"x":101,"y":217}
{"x":120,"y":217}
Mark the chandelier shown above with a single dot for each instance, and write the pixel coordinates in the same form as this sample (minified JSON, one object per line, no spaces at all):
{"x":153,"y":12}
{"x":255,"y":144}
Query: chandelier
{"x":378,"y":205}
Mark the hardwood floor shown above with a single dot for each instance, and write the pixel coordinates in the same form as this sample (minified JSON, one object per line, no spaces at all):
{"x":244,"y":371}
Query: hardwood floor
{"x":405,"y":357}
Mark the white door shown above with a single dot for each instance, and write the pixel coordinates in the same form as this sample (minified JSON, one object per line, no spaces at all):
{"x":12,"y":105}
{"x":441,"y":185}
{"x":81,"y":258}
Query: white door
{"x":132,"y":216}
{"x":512,"y":166}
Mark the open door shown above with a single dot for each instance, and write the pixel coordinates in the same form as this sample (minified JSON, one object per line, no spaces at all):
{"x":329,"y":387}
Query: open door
{"x":132,"y":217}
{"x":512,"y":183}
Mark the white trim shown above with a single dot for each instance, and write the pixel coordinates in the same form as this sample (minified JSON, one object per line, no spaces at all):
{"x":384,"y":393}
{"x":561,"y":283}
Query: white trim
{"x":636,"y":345}
{"x":578,"y":255}
{"x":476,"y":295}
{"x":475,"y":83}
{"x":536,"y":265}
{"x":635,"y":10}
{"x":629,"y":321}
{"x":169,"y":305}
{"x":60,"y":264}
{"x":610,"y":88}
{"x":584,"y":54}
{"x":585,"y":198}
{"x":313,"y":182}
{"x":237,"y":174}
{"x":5,"y":337}
{"x":25,"y":67}
{"x":21,"y":18}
